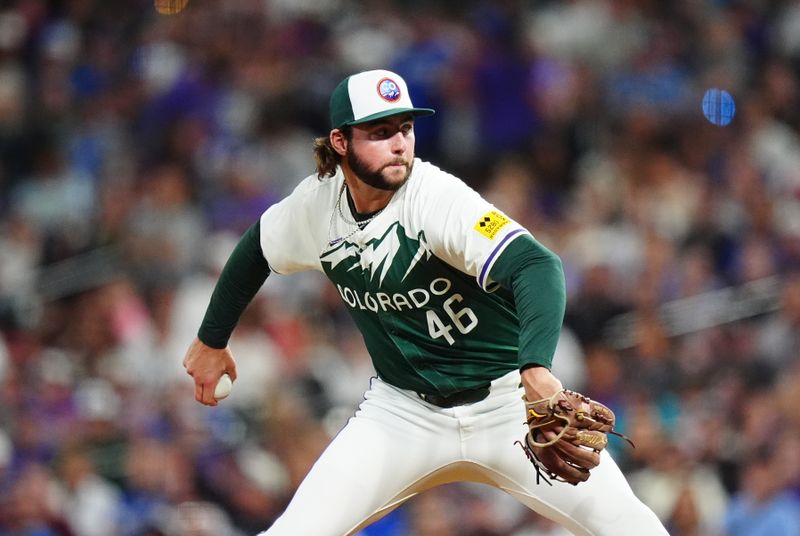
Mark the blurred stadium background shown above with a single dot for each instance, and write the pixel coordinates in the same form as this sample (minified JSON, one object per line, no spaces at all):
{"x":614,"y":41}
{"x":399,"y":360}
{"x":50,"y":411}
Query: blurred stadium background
{"x":135,"y":148}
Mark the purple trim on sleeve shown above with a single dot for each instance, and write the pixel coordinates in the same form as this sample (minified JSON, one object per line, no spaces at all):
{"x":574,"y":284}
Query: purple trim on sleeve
{"x":488,"y":264}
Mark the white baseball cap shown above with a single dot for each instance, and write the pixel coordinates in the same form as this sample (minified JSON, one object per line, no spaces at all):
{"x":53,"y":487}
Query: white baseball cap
{"x":371,"y":95}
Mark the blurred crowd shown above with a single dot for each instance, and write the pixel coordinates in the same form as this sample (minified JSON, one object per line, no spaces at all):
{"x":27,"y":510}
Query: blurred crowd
{"x":135,"y":148}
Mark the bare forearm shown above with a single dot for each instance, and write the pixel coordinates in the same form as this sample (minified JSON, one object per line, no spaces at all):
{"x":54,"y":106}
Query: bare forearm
{"x":539,"y":383}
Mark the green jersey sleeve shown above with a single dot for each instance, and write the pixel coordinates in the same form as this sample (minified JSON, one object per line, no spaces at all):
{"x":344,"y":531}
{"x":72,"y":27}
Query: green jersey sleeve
{"x":535,"y":276}
{"x":244,"y":273}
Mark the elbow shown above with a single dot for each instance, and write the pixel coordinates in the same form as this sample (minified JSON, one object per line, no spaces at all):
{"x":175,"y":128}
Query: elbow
{"x":554,"y":264}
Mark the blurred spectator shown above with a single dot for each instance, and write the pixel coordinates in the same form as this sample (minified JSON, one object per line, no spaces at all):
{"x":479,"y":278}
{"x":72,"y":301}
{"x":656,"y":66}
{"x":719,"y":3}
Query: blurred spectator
{"x":91,"y":503}
{"x":597,"y":301}
{"x":688,"y":497}
{"x":200,"y":519}
{"x":763,"y":506}
{"x":135,"y":148}
{"x":32,"y":507}
{"x":779,"y":337}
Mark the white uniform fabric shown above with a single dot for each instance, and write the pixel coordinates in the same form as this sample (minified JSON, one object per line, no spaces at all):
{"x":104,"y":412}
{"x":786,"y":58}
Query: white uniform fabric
{"x":296,"y":232}
{"x":397,"y":445}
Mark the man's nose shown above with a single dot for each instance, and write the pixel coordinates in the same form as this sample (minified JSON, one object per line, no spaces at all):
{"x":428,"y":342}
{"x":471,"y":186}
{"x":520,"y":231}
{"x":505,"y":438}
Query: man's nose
{"x":399,"y":143}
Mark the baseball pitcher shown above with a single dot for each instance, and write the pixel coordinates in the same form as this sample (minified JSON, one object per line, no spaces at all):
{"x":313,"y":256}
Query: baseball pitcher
{"x":460,"y":309}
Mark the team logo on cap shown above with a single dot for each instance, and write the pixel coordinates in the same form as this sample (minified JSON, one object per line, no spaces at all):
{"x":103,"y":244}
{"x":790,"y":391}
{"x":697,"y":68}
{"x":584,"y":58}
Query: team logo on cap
{"x":388,"y":90}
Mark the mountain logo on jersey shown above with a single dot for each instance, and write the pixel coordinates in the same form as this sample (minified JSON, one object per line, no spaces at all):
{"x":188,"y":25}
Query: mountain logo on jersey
{"x":490,"y":224}
{"x":393,"y":252}
{"x":388,"y":90}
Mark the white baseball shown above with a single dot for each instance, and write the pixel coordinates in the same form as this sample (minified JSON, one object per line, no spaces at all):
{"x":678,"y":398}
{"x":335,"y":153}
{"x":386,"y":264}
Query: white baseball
{"x":223,"y":388}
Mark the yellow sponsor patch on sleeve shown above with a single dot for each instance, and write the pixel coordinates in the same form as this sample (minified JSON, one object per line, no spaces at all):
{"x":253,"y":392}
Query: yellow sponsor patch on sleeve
{"x":490,"y":224}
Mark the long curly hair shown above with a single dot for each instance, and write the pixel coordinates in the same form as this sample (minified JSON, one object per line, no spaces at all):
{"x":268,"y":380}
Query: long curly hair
{"x":326,"y":157}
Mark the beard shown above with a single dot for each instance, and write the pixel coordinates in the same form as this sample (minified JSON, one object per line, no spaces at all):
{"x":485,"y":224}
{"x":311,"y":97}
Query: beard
{"x":378,"y":178}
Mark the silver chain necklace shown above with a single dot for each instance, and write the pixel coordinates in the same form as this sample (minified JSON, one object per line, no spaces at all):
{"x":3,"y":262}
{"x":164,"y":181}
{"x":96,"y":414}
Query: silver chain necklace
{"x":359,"y":225}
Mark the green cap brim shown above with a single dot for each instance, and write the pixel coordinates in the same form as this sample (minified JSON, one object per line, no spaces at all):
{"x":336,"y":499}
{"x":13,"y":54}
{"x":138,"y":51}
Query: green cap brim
{"x":417,"y":112}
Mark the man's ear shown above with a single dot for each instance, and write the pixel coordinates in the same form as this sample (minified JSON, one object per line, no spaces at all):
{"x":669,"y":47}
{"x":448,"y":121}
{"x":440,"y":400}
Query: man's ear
{"x":338,"y":141}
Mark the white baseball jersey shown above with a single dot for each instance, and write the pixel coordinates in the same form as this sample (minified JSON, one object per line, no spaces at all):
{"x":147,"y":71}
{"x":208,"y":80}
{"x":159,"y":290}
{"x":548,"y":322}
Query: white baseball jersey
{"x":415,"y":279}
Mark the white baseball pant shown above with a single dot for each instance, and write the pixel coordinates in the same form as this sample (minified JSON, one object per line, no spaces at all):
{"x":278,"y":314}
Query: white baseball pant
{"x":397,"y":446}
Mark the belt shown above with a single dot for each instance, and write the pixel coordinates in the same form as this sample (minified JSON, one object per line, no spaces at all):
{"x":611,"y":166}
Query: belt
{"x":461,"y":398}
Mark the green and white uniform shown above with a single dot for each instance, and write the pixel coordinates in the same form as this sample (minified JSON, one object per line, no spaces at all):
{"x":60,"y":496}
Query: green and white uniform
{"x":452,"y":298}
{"x":415,"y":279}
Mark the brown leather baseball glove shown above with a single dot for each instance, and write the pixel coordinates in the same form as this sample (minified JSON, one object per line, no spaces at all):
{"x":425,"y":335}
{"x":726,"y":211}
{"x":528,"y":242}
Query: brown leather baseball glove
{"x":566,"y":434}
